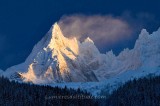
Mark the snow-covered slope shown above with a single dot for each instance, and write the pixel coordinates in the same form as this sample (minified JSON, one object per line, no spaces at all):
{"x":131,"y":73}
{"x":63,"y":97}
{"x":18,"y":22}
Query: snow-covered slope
{"x":109,"y":85}
{"x":58,"y":59}
{"x":142,"y":61}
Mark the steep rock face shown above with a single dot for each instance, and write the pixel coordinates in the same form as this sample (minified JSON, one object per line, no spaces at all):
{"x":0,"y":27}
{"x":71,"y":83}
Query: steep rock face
{"x":58,"y":59}
{"x":146,"y":53}
{"x":148,"y":46}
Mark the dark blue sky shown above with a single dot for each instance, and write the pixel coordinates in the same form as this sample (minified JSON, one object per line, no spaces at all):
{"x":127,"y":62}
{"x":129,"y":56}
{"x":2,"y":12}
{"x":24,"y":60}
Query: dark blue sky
{"x":24,"y":22}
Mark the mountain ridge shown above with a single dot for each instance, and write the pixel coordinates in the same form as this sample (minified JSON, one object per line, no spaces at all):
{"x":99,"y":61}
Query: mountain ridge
{"x":52,"y":48}
{"x":56,"y":58}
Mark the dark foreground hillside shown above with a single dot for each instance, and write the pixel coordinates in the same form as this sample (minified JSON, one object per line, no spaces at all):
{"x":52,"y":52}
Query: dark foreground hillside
{"x":16,"y":94}
{"x":141,"y":92}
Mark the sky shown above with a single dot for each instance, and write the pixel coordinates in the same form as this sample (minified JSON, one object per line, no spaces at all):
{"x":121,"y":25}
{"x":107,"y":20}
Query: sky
{"x":112,"y":24}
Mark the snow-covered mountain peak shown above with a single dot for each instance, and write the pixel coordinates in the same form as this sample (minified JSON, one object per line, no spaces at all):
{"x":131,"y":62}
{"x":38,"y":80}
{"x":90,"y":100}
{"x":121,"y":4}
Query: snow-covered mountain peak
{"x":56,"y":31}
{"x":56,"y":58}
{"x":89,"y":40}
{"x":144,"y":34}
{"x":56,"y":38}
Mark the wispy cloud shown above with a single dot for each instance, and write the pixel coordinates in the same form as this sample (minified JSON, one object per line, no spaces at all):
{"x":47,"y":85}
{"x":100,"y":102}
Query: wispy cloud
{"x":99,"y":28}
{"x":104,"y":29}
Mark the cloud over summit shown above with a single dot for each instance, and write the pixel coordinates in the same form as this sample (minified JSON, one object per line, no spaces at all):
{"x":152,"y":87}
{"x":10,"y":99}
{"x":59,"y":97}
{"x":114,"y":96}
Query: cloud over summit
{"x":101,"y":29}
